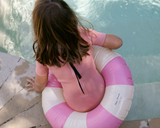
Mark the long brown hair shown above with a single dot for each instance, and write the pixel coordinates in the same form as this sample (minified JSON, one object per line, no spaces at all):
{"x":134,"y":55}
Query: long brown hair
{"x":57,"y":38}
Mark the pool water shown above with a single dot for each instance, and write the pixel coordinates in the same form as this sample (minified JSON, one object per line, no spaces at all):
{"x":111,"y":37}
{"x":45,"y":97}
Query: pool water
{"x":136,"y":22}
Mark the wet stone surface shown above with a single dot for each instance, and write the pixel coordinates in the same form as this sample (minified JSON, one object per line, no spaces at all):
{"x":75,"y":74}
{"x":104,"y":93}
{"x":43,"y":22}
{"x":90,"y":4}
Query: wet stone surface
{"x":18,"y":107}
{"x":7,"y":64}
{"x":0,"y":64}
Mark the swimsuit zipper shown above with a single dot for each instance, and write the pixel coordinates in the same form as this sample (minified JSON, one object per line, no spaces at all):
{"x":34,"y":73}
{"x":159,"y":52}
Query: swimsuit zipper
{"x":78,"y":76}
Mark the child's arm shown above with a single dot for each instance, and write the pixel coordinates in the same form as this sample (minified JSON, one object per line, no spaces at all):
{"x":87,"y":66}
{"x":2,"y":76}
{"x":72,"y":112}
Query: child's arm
{"x":38,"y":83}
{"x":112,"y":42}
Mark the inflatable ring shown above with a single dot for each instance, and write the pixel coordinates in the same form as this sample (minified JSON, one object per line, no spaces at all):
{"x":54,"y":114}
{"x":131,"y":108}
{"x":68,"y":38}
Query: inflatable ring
{"x":114,"y":106}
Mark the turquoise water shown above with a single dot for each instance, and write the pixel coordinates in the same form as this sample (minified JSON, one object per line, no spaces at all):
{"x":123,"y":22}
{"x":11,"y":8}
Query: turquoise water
{"x":136,"y":22}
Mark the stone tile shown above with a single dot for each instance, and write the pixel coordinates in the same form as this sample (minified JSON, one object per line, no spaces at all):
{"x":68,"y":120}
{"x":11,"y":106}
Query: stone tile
{"x":19,"y":108}
{"x":19,"y":103}
{"x":134,"y":124}
{"x":7,"y":64}
{"x":16,"y":81}
{"x":154,"y":123}
{"x":32,"y":117}
{"x":45,"y":126}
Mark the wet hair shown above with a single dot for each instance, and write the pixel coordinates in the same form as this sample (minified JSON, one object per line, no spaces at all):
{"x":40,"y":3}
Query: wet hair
{"x":57,"y":38}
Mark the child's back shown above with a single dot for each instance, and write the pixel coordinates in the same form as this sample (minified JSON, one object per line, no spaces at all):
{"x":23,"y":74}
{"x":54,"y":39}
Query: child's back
{"x":92,"y":82}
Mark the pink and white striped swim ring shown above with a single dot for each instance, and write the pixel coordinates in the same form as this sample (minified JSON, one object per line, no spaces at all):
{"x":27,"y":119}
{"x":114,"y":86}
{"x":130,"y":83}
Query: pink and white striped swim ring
{"x":114,"y":106}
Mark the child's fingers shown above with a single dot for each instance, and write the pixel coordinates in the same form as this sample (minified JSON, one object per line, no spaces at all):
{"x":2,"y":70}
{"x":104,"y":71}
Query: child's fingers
{"x":30,"y":81}
{"x":32,"y":78}
{"x":31,"y":89}
{"x":28,"y":85}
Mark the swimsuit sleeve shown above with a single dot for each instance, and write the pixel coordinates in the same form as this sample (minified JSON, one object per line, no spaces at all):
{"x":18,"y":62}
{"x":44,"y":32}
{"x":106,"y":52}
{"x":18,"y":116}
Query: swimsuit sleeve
{"x":41,"y":70}
{"x":97,"y":38}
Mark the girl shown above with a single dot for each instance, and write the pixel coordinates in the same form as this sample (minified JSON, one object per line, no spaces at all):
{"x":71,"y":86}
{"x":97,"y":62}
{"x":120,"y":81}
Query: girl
{"x":63,"y":52}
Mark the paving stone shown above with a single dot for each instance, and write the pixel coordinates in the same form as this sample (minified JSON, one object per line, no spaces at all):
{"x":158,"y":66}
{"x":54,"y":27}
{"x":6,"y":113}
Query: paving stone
{"x":7,"y":64}
{"x":45,"y":126}
{"x":16,"y":81}
{"x":19,"y":108}
{"x":33,"y":117}
{"x":10,"y":87}
{"x":20,"y":102}
{"x":154,"y":123}
{"x":134,"y":124}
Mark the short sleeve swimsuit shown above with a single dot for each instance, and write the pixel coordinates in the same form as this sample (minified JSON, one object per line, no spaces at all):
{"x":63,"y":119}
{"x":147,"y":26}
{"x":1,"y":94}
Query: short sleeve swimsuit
{"x":91,"y":81}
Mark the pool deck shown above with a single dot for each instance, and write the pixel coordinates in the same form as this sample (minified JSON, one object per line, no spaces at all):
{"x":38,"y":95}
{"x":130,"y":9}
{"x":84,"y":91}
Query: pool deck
{"x":22,"y":109}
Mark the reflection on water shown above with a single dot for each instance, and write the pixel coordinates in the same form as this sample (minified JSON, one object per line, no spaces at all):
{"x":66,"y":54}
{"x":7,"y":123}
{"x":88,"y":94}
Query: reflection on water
{"x":15,"y":28}
{"x":136,"y":22}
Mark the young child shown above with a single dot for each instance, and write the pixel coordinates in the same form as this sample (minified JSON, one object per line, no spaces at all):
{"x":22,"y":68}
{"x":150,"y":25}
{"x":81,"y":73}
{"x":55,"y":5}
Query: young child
{"x":64,"y":49}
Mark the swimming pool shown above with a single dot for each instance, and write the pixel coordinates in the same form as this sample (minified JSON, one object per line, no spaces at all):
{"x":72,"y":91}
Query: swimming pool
{"x":136,"y":22}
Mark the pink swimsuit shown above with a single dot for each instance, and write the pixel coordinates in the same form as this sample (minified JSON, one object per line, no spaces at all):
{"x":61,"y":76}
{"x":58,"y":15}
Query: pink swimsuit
{"x":91,"y":81}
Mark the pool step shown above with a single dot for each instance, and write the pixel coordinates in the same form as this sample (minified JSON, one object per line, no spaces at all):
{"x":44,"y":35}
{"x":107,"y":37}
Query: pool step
{"x":149,"y":123}
{"x":135,"y":124}
{"x":154,"y":123}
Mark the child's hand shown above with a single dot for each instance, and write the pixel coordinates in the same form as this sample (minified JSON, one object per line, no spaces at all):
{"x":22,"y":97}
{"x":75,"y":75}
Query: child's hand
{"x":34,"y":86}
{"x":31,"y":84}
